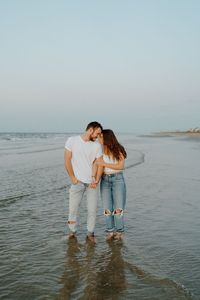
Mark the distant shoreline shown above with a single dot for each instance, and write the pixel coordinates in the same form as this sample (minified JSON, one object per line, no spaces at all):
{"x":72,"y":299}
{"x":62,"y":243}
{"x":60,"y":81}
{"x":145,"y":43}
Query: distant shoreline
{"x":176,"y":133}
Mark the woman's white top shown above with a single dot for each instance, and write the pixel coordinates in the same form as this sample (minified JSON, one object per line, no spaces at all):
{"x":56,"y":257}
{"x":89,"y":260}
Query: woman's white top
{"x":110,"y":160}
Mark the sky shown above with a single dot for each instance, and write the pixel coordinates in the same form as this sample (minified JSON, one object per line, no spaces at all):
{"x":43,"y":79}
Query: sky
{"x":132,"y":65}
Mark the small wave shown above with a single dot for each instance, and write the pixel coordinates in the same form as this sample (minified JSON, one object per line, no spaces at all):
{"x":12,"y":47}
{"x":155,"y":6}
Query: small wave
{"x":12,"y":136}
{"x":6,"y":138}
{"x":40,"y":150}
{"x":27,"y":152}
{"x":180,"y":289}
{"x":133,"y":159}
{"x":11,"y":200}
{"x":135,"y":164}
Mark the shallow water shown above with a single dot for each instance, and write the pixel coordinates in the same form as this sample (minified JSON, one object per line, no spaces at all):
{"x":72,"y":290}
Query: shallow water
{"x":159,"y":257}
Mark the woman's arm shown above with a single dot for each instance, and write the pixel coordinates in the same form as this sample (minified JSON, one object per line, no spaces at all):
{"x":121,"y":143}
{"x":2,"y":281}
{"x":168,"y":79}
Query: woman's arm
{"x":118,"y":166}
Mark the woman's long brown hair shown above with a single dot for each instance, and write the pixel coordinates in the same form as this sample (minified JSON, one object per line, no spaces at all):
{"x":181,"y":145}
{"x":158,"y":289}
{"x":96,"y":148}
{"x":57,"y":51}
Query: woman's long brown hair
{"x":113,"y":147}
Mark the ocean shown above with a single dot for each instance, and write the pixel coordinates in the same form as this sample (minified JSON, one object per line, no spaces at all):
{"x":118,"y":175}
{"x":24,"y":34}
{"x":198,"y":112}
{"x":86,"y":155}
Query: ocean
{"x":159,"y":257}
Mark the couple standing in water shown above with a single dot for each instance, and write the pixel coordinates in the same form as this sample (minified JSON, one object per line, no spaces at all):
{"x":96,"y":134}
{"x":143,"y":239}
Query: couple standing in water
{"x":96,"y":157}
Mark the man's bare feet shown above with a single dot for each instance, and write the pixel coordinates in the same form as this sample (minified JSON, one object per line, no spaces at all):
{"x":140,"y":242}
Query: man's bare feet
{"x":91,"y":238}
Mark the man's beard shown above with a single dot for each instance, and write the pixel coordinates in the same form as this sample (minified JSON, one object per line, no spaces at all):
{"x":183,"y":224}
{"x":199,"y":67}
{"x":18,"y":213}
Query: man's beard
{"x":92,"y":139}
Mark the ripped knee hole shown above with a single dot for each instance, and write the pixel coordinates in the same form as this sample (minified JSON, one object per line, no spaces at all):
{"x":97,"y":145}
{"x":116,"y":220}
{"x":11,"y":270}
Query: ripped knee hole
{"x":118,"y":211}
{"x":107,"y":212}
{"x":71,"y":222}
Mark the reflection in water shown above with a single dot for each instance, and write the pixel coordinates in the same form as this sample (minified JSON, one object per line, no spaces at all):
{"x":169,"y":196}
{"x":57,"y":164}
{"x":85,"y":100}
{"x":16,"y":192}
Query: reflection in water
{"x":71,"y":276}
{"x":91,"y":276}
{"x":111,"y":280}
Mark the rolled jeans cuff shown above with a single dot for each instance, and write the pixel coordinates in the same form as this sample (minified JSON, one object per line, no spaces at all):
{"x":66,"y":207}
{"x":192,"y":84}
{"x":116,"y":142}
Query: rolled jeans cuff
{"x":110,"y":230}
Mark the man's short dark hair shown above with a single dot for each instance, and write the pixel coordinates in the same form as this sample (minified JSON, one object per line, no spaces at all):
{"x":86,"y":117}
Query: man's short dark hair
{"x":94,"y":125}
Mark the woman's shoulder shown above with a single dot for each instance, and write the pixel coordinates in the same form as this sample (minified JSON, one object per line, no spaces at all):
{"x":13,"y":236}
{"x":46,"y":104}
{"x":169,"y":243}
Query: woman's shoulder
{"x":109,"y":159}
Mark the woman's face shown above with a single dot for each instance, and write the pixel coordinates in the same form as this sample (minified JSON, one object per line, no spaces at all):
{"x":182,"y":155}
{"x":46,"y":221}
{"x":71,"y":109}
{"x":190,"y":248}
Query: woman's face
{"x":100,"y":138}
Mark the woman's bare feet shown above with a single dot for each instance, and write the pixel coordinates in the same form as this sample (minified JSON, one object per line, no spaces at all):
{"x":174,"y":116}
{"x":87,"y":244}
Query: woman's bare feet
{"x":110,"y":236}
{"x":118,"y":236}
{"x":71,"y":235}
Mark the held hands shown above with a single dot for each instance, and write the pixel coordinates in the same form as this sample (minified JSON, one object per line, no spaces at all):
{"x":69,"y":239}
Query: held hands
{"x":94,"y":183}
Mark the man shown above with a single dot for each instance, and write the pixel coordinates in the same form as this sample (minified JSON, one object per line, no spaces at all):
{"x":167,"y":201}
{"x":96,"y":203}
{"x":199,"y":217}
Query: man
{"x":80,"y":153}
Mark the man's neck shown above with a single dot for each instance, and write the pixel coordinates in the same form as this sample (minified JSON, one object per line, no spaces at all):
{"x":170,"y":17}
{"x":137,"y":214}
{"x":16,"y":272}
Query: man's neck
{"x":85,"y":137}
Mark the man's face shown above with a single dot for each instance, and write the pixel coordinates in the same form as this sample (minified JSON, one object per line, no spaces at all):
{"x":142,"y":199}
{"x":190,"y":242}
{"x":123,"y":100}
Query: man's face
{"x":95,"y":133}
{"x":100,"y":138}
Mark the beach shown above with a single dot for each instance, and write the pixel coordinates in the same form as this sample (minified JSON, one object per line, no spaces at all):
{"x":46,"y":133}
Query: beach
{"x":159,"y":256}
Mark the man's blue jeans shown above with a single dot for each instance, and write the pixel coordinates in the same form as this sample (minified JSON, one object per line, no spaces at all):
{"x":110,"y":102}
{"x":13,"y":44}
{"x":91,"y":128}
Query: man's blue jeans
{"x":113,"y":194}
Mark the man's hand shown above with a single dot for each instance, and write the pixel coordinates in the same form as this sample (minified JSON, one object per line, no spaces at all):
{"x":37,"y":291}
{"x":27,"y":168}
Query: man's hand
{"x":94,"y":183}
{"x":74,"y":180}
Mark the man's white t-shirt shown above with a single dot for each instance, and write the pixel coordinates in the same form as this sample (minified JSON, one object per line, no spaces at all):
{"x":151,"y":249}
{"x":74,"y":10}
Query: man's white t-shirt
{"x":83,"y":156}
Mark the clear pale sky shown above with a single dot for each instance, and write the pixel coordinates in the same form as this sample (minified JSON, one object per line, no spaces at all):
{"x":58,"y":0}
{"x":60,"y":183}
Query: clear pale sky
{"x":132,"y":65}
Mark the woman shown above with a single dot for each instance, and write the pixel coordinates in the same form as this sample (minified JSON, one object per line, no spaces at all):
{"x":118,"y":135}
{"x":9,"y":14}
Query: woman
{"x":112,"y":187}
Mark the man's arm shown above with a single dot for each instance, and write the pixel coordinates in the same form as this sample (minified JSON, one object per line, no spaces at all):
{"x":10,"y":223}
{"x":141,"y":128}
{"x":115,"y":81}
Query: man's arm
{"x":96,"y":174}
{"x":100,"y":169}
{"x":68,"y":166}
{"x":97,"y":171}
